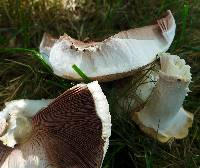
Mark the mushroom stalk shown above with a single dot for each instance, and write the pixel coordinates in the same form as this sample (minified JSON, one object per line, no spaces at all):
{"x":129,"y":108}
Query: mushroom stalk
{"x":163,"y":116}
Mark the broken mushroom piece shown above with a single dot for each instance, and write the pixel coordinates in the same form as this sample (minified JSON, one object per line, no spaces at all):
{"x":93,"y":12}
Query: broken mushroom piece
{"x":163,"y":116}
{"x":15,"y":119}
{"x":73,"y":131}
{"x":116,"y":57}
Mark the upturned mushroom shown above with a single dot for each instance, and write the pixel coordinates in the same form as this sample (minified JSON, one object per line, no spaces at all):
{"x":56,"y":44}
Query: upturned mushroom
{"x":71,"y":131}
{"x":163,"y":116}
{"x":116,"y":57}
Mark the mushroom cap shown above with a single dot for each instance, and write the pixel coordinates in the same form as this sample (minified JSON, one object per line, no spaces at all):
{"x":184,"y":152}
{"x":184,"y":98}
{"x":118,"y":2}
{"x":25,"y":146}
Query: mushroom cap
{"x":73,"y":131}
{"x":116,"y":57}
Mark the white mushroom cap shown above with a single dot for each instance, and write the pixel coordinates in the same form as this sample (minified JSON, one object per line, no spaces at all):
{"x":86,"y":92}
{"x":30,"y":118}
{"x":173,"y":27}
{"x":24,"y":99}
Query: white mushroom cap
{"x":113,"y":58}
{"x":73,"y":131}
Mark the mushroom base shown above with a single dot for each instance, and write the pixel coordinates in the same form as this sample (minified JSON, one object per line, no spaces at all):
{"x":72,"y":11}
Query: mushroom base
{"x":176,"y":129}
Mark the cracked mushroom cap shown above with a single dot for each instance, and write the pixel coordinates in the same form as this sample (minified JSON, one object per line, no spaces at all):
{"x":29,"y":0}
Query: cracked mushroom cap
{"x":73,"y":131}
{"x":116,"y":57}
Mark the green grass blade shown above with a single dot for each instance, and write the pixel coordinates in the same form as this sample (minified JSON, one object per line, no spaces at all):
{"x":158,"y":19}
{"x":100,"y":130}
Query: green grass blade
{"x":33,"y":53}
{"x":81,"y":73}
{"x":180,"y":39}
{"x":184,"y":21}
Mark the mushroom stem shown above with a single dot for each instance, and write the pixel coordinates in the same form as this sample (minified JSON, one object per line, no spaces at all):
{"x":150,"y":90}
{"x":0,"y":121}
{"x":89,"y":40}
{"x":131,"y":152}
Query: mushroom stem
{"x":15,"y":120}
{"x":163,"y":116}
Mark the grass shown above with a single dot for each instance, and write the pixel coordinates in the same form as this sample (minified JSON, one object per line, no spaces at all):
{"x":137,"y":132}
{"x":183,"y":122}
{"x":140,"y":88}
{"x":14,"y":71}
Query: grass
{"x":24,"y":75}
{"x":85,"y":78}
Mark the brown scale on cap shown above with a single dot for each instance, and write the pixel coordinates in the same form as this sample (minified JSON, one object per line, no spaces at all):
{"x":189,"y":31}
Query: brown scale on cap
{"x":65,"y":134}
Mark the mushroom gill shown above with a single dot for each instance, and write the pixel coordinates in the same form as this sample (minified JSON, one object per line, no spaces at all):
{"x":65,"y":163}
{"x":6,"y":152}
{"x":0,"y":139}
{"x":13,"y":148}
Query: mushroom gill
{"x":72,"y":131}
{"x":116,"y":57}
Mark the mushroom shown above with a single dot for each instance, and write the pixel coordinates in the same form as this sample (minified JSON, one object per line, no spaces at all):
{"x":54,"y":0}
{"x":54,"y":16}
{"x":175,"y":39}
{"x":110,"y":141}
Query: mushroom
{"x":116,"y":57}
{"x":72,"y":131}
{"x":163,"y":116}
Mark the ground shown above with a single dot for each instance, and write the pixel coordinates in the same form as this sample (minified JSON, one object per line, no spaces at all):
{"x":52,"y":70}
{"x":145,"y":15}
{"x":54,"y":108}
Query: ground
{"x":23,"y":75}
